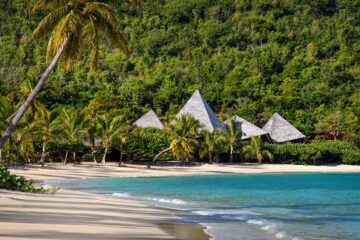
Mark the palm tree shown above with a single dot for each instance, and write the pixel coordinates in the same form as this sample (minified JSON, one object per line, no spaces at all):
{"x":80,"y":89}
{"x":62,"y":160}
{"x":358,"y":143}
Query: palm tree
{"x":211,"y":145}
{"x":71,"y":123}
{"x":109,"y":130}
{"x":231,"y":135}
{"x":121,"y":140}
{"x":46,"y":127}
{"x":72,"y":25}
{"x":92,"y":126}
{"x":254,"y":150}
{"x":22,"y":140}
{"x":183,"y":137}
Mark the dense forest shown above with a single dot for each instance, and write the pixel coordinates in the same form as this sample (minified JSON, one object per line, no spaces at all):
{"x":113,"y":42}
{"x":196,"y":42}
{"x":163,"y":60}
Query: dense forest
{"x":252,"y":58}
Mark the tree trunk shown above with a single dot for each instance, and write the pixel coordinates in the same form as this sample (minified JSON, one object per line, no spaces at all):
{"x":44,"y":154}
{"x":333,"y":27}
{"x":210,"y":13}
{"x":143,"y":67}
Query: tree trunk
{"x":17,"y":159}
{"x":65,"y":159}
{"x":93,"y":153}
{"x":103,"y":162}
{"x":231,"y":154}
{"x":158,"y":155}
{"x":121,"y":158}
{"x":210,"y":157}
{"x":21,"y":111}
{"x":43,"y":154}
{"x":0,"y":155}
{"x":74,"y":157}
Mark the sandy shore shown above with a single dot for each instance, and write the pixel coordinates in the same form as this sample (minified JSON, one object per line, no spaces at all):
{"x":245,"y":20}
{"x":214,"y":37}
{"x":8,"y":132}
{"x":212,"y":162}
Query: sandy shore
{"x":79,"y":215}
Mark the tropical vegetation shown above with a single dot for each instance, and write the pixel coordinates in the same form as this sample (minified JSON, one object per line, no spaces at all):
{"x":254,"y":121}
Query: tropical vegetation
{"x":251,"y":58}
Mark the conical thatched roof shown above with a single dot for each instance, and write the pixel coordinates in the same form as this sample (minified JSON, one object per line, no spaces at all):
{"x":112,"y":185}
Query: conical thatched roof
{"x":149,"y":120}
{"x":201,"y":111}
{"x":281,"y":130}
{"x":248,"y":129}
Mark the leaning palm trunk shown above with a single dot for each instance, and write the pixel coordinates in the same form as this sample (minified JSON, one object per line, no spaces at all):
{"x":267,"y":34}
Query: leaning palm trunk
{"x":43,"y":154}
{"x":158,"y":155}
{"x":21,"y":111}
{"x":103,"y":162}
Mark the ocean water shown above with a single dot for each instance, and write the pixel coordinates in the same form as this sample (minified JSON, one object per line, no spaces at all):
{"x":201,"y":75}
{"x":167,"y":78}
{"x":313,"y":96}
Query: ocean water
{"x":250,"y":206}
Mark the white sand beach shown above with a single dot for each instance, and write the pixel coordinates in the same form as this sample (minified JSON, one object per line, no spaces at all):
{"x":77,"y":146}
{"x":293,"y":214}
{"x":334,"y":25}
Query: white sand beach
{"x":78,"y":215}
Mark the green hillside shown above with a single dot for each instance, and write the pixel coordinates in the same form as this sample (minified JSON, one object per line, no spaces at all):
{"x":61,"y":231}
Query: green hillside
{"x":253,"y":58}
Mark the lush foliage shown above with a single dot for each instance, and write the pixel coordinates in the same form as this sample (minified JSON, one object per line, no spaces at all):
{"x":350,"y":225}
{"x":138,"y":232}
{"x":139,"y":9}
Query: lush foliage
{"x":316,"y":153}
{"x":299,"y":58}
{"x":12,"y":182}
{"x":253,"y":58}
{"x":144,"y":144}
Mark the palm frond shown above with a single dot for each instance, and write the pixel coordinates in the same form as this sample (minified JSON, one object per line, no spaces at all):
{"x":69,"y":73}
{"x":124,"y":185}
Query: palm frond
{"x":45,"y":5}
{"x":49,"y":22}
{"x":112,"y":33}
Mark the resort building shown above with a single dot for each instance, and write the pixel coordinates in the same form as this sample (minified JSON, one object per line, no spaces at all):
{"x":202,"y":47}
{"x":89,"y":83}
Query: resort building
{"x":149,"y":120}
{"x":247,"y":129}
{"x":201,"y":111}
{"x":281,"y":131}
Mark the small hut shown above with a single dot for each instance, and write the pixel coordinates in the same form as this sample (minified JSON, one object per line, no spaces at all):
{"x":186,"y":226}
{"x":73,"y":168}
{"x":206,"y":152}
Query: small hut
{"x":281,"y":131}
{"x":149,"y":120}
{"x":197,"y":107}
{"x":247,"y":129}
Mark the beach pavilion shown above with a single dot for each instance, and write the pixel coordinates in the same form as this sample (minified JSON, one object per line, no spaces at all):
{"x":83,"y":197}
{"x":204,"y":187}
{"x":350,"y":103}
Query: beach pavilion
{"x":149,"y":119}
{"x":282,"y":131}
{"x":247,"y":129}
{"x":201,"y":111}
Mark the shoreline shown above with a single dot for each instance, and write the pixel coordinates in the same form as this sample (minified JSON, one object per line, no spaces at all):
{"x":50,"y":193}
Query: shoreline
{"x":82,"y":215}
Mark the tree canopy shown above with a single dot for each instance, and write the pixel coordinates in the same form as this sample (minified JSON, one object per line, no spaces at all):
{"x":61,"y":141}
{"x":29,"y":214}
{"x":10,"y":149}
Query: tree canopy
{"x":253,"y":58}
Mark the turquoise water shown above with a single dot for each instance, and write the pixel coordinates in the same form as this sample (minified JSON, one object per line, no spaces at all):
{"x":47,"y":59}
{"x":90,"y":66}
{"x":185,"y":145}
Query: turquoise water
{"x":261,"y":206}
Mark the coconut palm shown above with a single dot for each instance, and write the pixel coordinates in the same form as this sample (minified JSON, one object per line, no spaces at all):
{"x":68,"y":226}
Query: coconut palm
{"x":211,"y":145}
{"x":183,"y":137}
{"x":22,"y":141}
{"x":71,"y":25}
{"x":92,"y":128}
{"x":231,"y":135}
{"x":71,"y":124}
{"x":121,"y":140}
{"x":109,"y":130}
{"x":254,"y":150}
{"x":46,"y":127}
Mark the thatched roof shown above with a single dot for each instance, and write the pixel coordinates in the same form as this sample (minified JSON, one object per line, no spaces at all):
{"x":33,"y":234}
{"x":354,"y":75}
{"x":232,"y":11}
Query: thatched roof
{"x":248,"y":129}
{"x":201,"y":111}
{"x":149,"y":120}
{"x":281,"y":130}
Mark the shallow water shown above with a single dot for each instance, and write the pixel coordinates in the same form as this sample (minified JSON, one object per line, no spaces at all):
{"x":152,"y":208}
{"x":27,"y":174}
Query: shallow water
{"x":251,"y":206}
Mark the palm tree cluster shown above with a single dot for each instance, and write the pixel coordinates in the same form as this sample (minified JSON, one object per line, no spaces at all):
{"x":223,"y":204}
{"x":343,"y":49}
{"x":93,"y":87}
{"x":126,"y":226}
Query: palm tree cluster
{"x":186,"y":136}
{"x":69,"y":128}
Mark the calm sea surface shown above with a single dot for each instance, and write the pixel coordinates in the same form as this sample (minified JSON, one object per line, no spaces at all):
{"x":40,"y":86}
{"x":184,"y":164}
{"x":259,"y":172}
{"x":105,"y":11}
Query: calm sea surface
{"x":248,"y":206}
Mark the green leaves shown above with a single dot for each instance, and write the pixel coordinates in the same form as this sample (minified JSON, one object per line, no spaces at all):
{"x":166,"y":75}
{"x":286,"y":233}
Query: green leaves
{"x":13,"y":182}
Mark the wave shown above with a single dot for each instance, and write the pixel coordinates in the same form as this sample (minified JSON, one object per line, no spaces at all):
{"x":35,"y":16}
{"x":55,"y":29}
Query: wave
{"x":171,"y":201}
{"x":120,"y":195}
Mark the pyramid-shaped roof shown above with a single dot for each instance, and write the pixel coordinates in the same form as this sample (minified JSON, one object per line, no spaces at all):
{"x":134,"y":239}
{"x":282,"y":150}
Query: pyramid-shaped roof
{"x":248,"y":129}
{"x":201,"y":111}
{"x":149,"y":120}
{"x":281,"y":130}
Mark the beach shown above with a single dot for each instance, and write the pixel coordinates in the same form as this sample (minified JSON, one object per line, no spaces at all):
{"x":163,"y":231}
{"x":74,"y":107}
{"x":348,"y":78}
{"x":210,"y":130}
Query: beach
{"x":82,"y":215}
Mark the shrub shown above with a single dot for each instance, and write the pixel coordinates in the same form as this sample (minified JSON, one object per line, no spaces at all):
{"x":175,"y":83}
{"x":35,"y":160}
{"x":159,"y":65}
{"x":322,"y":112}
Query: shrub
{"x":13,"y":182}
{"x":316,"y":153}
{"x":351,"y":157}
{"x":144,"y":143}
